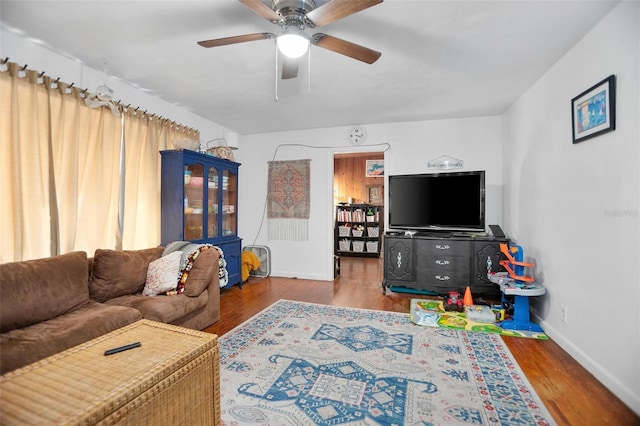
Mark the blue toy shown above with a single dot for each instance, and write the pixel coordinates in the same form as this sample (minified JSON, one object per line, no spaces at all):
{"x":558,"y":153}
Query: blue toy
{"x":521,"y":287}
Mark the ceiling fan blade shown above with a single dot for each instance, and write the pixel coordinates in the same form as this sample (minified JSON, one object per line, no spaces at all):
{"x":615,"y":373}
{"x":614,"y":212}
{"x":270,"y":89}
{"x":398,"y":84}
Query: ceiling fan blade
{"x":289,"y":68}
{"x":346,"y":48}
{"x":262,"y":9}
{"x":338,"y":9}
{"x":235,"y":39}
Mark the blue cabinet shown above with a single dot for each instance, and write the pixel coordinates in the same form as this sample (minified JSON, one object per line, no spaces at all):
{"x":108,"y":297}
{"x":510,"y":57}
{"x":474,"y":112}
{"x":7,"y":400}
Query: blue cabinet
{"x":199,"y":202}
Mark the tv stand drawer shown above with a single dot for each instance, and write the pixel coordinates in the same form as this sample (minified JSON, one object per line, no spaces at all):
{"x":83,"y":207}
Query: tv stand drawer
{"x":444,"y":247}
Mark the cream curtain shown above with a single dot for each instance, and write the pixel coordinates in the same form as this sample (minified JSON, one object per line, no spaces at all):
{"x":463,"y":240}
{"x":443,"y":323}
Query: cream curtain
{"x":63,"y":184}
{"x":25,"y":226}
{"x":144,"y":137}
{"x":141,"y":221}
{"x":86,"y":152}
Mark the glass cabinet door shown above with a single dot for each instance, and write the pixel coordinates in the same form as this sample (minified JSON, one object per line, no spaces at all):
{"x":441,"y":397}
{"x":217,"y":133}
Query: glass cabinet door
{"x":193,"y":201}
{"x":213,"y":208}
{"x":229,"y":203}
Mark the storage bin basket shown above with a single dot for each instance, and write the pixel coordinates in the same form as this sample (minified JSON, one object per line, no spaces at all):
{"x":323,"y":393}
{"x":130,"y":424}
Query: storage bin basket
{"x":223,"y":151}
{"x":344,"y":231}
{"x":190,"y":144}
{"x":374,"y":231}
{"x":357,"y":233}
{"x":344,"y":245}
{"x":358,"y":246}
{"x":372,"y":246}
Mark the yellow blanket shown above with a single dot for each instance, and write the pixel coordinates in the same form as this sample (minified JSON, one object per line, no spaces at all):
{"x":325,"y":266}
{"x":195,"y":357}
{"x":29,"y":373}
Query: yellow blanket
{"x":250,"y":262}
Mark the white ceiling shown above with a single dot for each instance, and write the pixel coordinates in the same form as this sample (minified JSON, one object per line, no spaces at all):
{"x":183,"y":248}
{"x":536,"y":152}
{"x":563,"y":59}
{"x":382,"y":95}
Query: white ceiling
{"x":440,"y":59}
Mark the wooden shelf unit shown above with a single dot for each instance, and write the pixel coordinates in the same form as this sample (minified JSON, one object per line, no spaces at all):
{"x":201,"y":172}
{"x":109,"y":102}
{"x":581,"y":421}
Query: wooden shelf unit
{"x":358,"y":230}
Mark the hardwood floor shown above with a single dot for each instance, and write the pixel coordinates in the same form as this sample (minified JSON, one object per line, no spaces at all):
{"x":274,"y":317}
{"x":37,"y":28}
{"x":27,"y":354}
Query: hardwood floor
{"x":570,"y":393}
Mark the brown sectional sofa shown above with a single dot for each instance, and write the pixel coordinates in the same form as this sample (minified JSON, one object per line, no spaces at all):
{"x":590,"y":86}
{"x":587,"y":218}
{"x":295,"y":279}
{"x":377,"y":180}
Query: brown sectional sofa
{"x":52,"y":304}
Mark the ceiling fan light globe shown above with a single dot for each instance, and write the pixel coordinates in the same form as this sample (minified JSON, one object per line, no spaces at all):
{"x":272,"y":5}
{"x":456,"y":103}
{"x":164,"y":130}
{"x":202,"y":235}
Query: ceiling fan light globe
{"x":292,"y":45}
{"x":104,"y":93}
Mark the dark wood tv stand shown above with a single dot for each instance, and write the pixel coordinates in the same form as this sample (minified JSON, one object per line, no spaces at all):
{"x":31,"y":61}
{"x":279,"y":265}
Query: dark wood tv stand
{"x":436,"y":263}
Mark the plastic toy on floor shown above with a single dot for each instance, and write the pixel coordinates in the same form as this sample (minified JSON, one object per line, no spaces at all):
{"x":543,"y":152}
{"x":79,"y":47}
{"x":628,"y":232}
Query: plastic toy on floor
{"x":521,"y":287}
{"x":453,"y":302}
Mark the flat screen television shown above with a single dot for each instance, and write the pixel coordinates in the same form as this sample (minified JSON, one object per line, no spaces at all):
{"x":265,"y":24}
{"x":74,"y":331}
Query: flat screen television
{"x":452,"y":201}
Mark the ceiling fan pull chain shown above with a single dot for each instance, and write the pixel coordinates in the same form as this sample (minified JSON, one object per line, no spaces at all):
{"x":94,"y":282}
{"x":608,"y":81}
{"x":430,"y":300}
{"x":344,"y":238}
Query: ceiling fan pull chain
{"x":276,"y":70}
{"x":309,"y":72}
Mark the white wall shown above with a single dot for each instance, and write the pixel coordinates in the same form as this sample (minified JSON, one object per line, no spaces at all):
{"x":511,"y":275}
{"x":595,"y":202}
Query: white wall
{"x":409,"y":146}
{"x":575,"y":208}
{"x":39,"y":58}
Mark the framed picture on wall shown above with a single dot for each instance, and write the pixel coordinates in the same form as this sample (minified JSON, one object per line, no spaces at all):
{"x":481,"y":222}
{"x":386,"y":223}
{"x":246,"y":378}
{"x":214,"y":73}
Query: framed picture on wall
{"x":375,"y":194}
{"x":374,"y":168}
{"x":593,"y":112}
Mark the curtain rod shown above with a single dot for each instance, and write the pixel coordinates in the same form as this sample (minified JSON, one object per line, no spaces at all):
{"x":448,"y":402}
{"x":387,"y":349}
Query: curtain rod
{"x":15,"y":70}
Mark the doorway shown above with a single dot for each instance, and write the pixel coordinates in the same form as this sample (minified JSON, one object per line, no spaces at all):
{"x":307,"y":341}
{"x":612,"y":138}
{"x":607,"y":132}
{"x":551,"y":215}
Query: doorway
{"x":358,"y":179}
{"x":351,"y":182}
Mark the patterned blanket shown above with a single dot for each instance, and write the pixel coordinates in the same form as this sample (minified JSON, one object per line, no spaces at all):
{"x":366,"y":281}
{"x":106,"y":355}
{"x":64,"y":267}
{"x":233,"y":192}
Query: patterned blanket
{"x":190,"y":252}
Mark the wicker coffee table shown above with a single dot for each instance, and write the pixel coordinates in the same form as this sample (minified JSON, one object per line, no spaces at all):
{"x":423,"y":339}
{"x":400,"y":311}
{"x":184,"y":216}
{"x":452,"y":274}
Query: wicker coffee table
{"x":172,"y":378}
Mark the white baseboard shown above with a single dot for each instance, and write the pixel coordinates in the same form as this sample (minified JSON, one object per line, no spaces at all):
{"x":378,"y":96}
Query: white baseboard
{"x":303,"y":276}
{"x":599,"y":371}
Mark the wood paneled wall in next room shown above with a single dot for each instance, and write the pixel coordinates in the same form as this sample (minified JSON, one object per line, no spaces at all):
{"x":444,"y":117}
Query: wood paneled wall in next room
{"x":349,"y":177}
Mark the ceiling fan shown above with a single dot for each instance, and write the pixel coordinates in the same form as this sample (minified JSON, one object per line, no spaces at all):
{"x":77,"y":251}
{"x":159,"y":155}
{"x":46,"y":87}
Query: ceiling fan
{"x":293,"y":17}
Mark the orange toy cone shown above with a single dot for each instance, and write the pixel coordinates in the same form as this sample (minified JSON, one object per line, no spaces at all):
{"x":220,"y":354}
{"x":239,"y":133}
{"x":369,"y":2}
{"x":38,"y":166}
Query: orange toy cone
{"x":468,"y":301}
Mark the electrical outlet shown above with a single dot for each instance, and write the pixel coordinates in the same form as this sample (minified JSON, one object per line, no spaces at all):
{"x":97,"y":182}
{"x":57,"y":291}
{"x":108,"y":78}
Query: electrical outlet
{"x":564,"y":312}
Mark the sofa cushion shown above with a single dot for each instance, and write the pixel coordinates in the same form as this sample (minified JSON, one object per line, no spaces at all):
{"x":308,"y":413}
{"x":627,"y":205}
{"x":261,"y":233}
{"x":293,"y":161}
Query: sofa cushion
{"x":29,"y":344}
{"x":120,"y":272}
{"x":163,"y":308}
{"x":205,"y":269}
{"x":162,"y":274}
{"x":32,"y":291}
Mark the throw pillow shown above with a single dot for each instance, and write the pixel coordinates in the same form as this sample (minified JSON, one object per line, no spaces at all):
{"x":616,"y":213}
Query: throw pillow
{"x":120,"y":272}
{"x":162,"y":275}
{"x":201,"y":273}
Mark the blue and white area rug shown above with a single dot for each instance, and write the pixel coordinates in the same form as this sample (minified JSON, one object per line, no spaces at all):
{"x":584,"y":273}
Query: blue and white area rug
{"x":305,"y":364}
